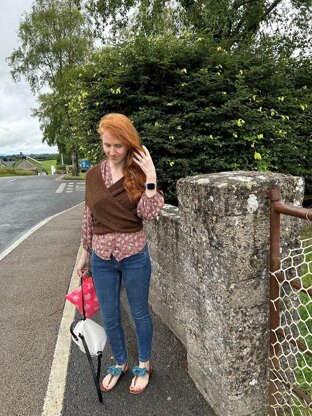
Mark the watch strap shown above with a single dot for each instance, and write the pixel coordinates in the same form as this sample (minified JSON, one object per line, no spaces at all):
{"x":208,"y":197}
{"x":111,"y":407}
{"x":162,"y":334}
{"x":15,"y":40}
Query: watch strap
{"x":150,"y":186}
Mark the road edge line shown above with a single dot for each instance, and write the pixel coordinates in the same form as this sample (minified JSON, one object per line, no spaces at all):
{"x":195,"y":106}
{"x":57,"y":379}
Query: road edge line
{"x":32,"y":230}
{"x":53,"y":402}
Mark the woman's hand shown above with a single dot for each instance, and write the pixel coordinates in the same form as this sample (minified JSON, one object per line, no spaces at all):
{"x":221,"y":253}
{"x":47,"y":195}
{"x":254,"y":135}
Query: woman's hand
{"x":144,"y":160}
{"x":83,"y":263}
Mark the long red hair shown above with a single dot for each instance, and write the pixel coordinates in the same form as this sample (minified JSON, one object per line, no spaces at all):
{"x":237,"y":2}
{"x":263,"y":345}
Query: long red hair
{"x":121,"y":127}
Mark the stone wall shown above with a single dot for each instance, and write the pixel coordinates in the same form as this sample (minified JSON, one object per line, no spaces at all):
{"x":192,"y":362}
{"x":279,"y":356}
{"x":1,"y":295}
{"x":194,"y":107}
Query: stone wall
{"x":210,"y":281}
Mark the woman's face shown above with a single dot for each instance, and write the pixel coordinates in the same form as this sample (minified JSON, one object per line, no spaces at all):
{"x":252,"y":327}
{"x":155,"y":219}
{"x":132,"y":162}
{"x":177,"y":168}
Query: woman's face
{"x":114,"y":149}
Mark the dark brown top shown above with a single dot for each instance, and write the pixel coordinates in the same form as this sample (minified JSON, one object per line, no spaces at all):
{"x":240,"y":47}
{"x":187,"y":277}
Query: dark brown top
{"x":111,"y":208}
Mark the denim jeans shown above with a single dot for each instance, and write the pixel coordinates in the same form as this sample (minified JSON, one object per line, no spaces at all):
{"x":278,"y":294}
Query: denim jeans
{"x":135,"y":272}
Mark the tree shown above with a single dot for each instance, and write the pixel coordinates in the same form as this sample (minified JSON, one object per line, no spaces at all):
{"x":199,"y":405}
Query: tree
{"x":200,"y":108}
{"x":115,"y":18}
{"x":54,"y":37}
{"x":53,"y":117}
{"x":235,"y":21}
{"x":229,"y":21}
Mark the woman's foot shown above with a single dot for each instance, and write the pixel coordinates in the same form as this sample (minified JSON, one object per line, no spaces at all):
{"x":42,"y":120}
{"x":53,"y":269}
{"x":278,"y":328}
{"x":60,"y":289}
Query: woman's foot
{"x":114,"y":374}
{"x":141,"y":378}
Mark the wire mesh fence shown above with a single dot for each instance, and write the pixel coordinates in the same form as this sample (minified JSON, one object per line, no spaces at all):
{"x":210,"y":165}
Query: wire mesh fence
{"x":291,"y":337}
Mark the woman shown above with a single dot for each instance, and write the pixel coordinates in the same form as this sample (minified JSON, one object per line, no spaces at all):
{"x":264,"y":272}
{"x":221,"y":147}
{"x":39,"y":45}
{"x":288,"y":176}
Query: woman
{"x":120,"y":193}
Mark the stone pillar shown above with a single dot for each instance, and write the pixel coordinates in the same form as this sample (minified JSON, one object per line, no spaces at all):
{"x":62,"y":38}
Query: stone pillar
{"x":210,"y":281}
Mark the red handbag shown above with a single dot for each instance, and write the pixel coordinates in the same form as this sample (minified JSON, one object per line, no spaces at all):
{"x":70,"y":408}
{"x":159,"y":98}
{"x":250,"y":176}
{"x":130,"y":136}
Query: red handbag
{"x":90,"y":304}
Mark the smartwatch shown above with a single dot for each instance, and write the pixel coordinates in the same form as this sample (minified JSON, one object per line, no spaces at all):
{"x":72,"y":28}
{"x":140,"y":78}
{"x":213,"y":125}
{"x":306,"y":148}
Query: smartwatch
{"x":150,"y":186}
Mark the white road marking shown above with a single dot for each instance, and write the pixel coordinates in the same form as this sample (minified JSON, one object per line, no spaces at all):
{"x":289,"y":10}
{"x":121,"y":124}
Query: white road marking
{"x":53,"y":402}
{"x":71,"y":186}
{"x":32,"y":230}
{"x":60,"y":189}
{"x":11,"y":180}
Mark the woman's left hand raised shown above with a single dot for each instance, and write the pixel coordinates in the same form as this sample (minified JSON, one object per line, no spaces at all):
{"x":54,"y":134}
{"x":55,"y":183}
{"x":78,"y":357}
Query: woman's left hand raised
{"x":144,"y":160}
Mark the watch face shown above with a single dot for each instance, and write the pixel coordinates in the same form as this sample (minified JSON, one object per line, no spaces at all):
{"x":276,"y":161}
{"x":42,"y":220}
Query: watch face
{"x":150,"y":186}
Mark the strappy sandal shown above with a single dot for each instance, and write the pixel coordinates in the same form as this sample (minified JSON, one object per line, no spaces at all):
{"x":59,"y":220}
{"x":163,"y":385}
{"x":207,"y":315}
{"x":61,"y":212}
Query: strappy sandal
{"x":140,"y":372}
{"x":114,"y":371}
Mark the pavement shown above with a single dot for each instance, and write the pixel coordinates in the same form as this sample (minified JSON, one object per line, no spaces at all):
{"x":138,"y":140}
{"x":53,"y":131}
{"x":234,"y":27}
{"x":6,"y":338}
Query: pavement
{"x":34,"y":278}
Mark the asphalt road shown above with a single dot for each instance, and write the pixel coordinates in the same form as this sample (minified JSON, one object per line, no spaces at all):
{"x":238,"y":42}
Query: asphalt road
{"x":34,"y":278}
{"x":25,"y":201}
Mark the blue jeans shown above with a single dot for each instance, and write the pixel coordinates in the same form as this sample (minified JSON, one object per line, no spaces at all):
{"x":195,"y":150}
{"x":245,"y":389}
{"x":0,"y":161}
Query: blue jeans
{"x":135,"y":272}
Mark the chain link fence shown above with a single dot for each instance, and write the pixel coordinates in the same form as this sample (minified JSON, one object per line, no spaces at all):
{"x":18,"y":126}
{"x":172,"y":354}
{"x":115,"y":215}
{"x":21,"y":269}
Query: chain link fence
{"x":290,"y":318}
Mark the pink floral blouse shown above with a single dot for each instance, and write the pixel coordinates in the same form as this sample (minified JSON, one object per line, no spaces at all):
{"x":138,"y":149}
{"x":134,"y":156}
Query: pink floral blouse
{"x":120,"y":245}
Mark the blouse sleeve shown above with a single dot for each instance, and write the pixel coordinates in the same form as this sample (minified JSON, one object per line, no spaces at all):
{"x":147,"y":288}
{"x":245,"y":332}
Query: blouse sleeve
{"x":87,"y":229}
{"x":149,"y":208}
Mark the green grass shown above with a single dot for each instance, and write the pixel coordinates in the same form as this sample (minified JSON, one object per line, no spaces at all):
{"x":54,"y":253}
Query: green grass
{"x":46,"y":164}
{"x":81,"y":177}
{"x":301,"y":412}
{"x":306,"y":232}
{"x":304,"y":370}
{"x":43,"y":165}
{"x":14,"y":172}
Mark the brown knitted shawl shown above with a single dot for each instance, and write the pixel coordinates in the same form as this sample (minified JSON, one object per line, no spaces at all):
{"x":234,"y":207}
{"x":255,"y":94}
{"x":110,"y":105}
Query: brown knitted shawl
{"x":111,"y":208}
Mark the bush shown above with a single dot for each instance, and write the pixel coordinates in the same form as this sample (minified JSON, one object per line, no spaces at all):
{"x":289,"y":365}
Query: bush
{"x":60,"y":169}
{"x":200,"y":108}
{"x":69,"y":170}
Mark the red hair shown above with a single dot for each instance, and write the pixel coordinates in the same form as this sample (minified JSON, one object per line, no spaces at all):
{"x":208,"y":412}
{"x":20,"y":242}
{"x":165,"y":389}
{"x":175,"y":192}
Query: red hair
{"x":121,"y":127}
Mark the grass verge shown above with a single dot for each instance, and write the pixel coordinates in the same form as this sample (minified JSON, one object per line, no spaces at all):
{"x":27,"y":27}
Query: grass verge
{"x":81,"y":177}
{"x":46,"y":165}
{"x":14,"y":172}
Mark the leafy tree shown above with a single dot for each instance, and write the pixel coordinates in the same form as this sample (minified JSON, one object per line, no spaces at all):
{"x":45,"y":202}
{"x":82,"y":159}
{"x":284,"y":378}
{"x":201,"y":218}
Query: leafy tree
{"x":54,"y":37}
{"x":142,"y":17}
{"x":54,"y":121}
{"x":200,"y":108}
{"x":229,"y":21}
{"x":235,"y":21}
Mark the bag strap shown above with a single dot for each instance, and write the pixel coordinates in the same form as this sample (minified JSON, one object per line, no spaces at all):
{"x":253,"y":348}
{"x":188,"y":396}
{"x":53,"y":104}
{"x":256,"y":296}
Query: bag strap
{"x":82,"y":298}
{"x":72,"y":327}
{"x":95,"y":374}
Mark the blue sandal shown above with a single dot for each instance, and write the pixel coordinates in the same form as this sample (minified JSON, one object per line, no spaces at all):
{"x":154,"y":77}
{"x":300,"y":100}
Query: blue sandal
{"x":114,"y":371}
{"x":140,"y":372}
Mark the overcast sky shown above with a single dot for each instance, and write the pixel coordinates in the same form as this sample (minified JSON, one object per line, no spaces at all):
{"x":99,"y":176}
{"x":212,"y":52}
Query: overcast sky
{"x":19,"y":132}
